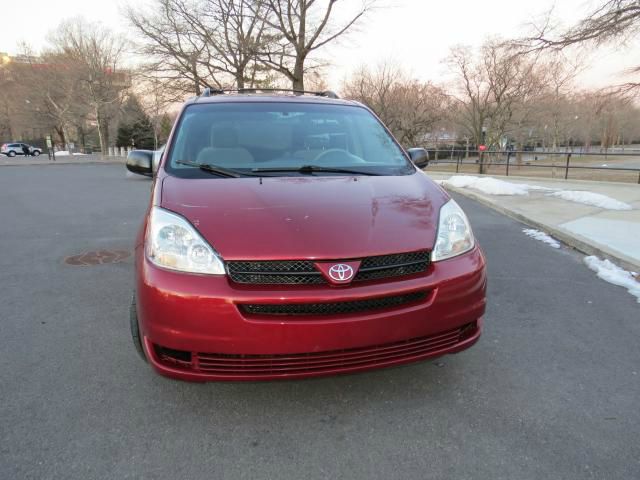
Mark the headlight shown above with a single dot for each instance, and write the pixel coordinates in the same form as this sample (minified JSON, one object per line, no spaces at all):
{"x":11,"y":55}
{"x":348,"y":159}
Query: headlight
{"x":172,"y":242}
{"x":454,"y":233}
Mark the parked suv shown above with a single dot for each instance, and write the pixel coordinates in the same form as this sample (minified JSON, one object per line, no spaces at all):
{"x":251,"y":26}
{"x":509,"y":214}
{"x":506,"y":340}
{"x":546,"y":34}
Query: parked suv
{"x":290,"y":236}
{"x":13,"y":149}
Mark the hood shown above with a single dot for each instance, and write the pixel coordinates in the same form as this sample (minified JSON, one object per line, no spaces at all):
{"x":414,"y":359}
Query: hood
{"x":309,"y":217}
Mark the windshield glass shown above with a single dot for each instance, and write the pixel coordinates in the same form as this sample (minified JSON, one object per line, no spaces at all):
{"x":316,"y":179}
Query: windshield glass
{"x":244,"y":136}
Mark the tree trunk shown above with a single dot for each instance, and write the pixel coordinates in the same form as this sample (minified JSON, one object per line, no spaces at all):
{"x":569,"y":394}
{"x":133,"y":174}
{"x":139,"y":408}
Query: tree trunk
{"x":298,"y":74}
{"x":103,"y":132}
{"x":62,"y":136}
{"x":82,"y":138}
{"x":240,"y":78}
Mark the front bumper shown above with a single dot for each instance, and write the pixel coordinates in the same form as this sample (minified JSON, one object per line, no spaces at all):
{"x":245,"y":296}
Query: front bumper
{"x":199,"y":317}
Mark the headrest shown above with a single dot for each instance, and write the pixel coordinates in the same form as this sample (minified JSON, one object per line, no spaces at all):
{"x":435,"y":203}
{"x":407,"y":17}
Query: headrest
{"x":224,"y":136}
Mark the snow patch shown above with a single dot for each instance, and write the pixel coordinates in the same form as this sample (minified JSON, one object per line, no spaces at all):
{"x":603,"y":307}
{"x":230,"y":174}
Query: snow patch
{"x":543,"y":237}
{"x":609,"y":272}
{"x":488,"y":185}
{"x":66,"y":153}
{"x":494,"y":186}
{"x":590,"y":198}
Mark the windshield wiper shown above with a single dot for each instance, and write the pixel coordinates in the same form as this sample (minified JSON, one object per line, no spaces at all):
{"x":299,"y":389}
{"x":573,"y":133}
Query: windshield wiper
{"x":216,"y":170}
{"x":312,"y":169}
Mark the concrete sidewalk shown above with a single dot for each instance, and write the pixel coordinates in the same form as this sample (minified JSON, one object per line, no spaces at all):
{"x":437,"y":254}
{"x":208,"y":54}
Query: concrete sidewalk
{"x":612,"y":234}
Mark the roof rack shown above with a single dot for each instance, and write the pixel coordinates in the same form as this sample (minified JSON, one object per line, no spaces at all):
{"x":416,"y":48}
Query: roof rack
{"x":208,"y":92}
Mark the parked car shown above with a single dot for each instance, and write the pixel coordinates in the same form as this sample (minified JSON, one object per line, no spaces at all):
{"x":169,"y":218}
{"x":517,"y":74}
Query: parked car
{"x":13,"y":149}
{"x":291,"y":236}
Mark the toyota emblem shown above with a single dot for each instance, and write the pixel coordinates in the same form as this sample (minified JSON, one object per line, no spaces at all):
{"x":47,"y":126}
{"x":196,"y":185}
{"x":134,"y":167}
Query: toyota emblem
{"x":341,"y":272}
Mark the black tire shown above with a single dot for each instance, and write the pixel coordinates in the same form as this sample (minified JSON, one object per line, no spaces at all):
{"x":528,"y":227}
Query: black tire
{"x":35,"y":153}
{"x":11,"y":153}
{"x":135,"y":329}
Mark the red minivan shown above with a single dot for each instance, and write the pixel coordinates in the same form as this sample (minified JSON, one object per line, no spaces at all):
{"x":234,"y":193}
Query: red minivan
{"x":289,"y":235}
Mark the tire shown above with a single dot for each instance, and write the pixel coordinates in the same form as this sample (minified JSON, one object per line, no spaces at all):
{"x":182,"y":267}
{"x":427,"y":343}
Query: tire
{"x":35,"y":153}
{"x":135,"y":328}
{"x":11,"y":153}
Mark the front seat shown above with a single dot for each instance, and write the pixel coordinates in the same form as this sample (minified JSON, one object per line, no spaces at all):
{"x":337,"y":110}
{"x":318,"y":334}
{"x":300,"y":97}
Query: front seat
{"x":224,"y":150}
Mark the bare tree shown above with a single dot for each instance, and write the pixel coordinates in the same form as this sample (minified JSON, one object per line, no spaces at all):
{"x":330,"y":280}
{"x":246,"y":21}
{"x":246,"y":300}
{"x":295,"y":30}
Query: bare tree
{"x":7,"y":97}
{"x":612,"y":21}
{"x":559,"y":72}
{"x":232,"y":34}
{"x":375,"y":89}
{"x":492,"y":87}
{"x":52,"y":86}
{"x":178,"y":54}
{"x":96,"y":53}
{"x":301,"y":27}
{"x":195,"y":44}
{"x":410,"y":108}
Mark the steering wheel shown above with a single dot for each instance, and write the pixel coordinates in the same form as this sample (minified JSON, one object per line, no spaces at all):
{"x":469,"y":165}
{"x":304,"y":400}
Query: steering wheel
{"x":336,"y":156}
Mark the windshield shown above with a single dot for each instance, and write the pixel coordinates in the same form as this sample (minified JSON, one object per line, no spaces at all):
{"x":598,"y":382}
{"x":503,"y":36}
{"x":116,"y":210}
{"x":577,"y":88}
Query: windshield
{"x":248,"y":136}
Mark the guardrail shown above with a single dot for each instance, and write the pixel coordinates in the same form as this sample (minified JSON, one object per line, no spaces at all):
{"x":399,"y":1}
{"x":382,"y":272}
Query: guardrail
{"x":566,"y":161}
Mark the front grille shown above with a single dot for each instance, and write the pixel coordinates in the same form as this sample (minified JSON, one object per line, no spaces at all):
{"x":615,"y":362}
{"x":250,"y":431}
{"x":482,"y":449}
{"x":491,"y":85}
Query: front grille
{"x":281,"y":272}
{"x":333,"y":308}
{"x":333,"y":361}
{"x":303,"y":272}
{"x":397,"y":265}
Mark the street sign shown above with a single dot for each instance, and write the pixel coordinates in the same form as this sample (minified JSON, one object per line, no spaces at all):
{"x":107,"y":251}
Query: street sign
{"x":482,"y":148}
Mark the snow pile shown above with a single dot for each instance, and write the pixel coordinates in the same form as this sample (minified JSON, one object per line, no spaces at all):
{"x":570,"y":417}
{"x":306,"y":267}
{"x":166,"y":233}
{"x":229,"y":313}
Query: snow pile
{"x":488,"y":185}
{"x":590,"y":198}
{"x":493,"y":186}
{"x":611,"y":273}
{"x":66,"y":153}
{"x":543,"y":237}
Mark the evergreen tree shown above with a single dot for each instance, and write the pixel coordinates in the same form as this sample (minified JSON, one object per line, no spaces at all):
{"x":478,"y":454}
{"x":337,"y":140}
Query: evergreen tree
{"x":135,"y":128}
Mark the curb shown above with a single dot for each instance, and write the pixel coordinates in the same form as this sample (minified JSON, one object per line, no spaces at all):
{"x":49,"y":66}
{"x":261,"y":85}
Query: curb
{"x":566,"y":238}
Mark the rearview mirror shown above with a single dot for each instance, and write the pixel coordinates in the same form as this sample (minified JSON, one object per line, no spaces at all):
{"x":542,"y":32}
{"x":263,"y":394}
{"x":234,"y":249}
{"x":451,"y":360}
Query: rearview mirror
{"x":419,"y":156}
{"x":140,"y":162}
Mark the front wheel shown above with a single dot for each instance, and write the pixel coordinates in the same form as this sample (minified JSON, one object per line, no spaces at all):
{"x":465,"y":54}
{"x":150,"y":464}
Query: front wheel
{"x":35,"y":153}
{"x":11,"y":153}
{"x":135,"y":328}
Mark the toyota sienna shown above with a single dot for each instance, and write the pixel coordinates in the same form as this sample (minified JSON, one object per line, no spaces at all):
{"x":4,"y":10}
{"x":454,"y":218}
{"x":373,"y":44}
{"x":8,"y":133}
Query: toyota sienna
{"x":290,"y":235}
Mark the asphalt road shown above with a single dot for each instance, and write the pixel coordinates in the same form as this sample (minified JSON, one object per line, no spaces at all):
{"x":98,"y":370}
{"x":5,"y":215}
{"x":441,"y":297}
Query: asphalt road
{"x":551,"y":391}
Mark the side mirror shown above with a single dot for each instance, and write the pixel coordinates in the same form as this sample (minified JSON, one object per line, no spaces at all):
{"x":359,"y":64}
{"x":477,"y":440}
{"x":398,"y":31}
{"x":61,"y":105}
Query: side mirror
{"x":419,"y":156}
{"x":140,"y":162}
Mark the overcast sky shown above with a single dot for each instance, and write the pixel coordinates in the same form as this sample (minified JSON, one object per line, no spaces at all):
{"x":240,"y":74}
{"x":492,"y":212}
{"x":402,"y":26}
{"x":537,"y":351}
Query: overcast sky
{"x":417,"y":34}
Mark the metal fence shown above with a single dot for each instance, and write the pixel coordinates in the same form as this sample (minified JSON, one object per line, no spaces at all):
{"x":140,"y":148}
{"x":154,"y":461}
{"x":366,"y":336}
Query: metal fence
{"x":618,"y":166}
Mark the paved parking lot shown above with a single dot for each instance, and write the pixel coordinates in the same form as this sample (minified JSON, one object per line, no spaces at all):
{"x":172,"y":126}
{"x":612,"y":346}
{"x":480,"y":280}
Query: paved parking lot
{"x":551,"y":391}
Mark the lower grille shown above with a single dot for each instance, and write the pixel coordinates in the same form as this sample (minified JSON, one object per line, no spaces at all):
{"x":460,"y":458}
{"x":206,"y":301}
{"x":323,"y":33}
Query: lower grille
{"x":333,"y":308}
{"x":328,"y":361}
